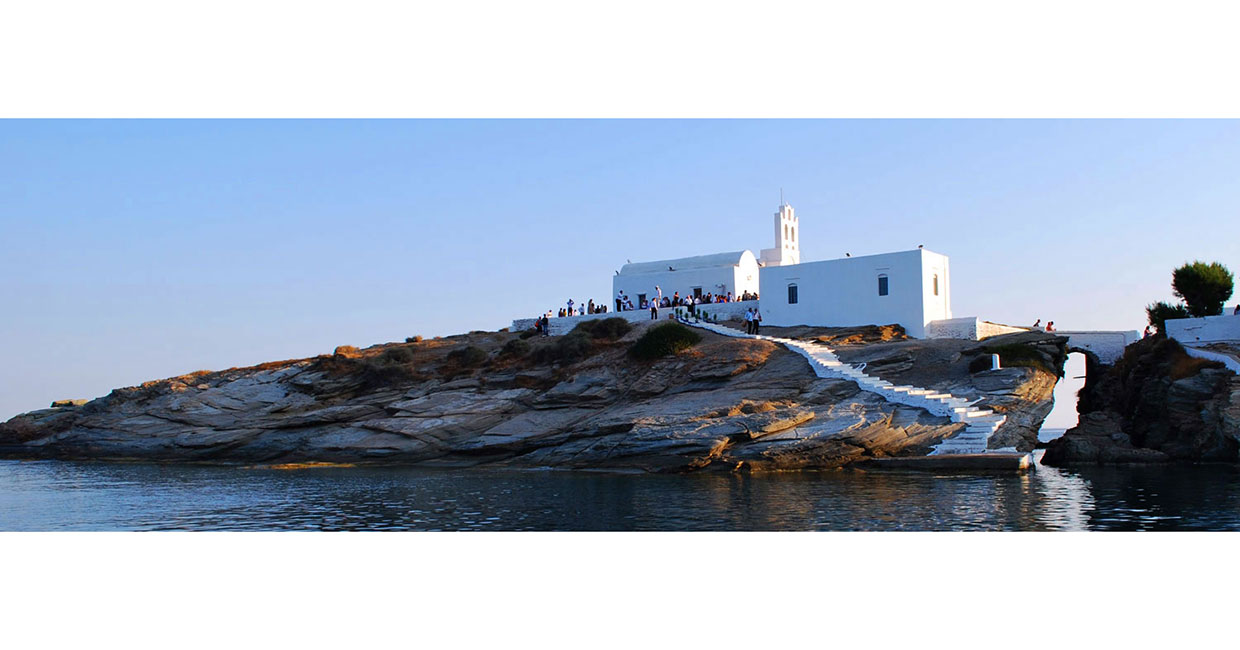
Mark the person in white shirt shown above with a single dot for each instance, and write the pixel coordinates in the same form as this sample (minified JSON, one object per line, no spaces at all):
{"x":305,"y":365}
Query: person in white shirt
{"x":749,"y":321}
{"x":757,"y":320}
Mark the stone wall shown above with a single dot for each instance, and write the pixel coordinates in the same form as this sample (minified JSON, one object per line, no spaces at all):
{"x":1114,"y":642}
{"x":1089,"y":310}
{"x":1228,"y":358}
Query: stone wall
{"x":953,"y":328}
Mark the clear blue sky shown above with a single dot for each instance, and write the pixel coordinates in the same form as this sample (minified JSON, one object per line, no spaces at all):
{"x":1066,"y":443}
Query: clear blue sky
{"x":134,"y":250}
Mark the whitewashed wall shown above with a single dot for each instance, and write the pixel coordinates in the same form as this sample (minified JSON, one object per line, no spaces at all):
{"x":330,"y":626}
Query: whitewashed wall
{"x":1224,"y":359}
{"x":844,"y":292}
{"x":1210,"y":329}
{"x":731,"y":310}
{"x":1108,"y":346}
{"x":970,"y":328}
{"x":737,"y":278}
{"x":987,"y":329}
{"x":937,"y":304}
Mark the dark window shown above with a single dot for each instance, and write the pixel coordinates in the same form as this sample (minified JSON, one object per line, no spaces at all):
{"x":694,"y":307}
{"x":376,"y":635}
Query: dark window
{"x":792,"y":294}
{"x":936,"y":285}
{"x":882,"y":285}
{"x":641,"y":297}
{"x":697,"y":292}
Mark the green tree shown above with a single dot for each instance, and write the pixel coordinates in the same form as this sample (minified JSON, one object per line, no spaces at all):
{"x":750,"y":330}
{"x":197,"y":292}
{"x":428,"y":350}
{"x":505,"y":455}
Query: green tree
{"x":1159,"y":312}
{"x":1203,"y":287}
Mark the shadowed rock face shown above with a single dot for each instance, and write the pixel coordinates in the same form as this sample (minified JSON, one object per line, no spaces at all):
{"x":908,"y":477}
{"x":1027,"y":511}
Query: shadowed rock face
{"x":1156,"y":404}
{"x":725,"y":404}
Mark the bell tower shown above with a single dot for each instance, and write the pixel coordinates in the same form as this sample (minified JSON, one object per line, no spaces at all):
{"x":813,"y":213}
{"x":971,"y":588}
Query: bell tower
{"x":787,"y":249}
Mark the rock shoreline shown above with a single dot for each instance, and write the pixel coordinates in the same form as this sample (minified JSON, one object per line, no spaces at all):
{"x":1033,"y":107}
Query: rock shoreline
{"x":485,"y":398}
{"x":1155,"y":405}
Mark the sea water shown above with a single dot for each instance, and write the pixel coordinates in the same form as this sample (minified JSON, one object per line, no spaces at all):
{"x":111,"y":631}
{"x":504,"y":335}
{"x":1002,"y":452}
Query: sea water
{"x":99,"y":496}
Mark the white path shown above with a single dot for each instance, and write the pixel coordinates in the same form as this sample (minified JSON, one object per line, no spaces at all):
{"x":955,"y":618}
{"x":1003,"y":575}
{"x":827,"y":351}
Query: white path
{"x":980,"y":423}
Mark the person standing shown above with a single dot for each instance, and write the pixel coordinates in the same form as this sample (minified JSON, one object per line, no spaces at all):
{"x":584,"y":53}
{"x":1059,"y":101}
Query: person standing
{"x":620,"y":301}
{"x":654,"y":310}
{"x":749,"y":321}
{"x":757,"y":320}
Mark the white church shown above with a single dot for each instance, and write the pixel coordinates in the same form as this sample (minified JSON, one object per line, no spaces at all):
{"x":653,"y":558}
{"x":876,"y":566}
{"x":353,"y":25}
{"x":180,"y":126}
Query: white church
{"x":911,"y":288}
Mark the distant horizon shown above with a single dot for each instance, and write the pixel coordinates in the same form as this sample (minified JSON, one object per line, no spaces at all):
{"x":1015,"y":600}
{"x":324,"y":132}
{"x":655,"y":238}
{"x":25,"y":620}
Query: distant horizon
{"x":144,"y":249}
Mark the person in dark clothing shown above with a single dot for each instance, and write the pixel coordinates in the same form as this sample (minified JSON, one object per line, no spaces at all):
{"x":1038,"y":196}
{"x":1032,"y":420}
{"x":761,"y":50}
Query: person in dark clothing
{"x":654,"y":310}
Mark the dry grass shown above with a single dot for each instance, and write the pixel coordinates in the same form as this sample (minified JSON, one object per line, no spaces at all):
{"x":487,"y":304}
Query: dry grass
{"x":1182,"y":365}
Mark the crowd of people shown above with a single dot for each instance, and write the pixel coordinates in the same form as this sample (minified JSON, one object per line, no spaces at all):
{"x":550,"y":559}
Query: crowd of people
{"x":654,"y":303}
{"x":625,"y":303}
{"x":574,"y":309}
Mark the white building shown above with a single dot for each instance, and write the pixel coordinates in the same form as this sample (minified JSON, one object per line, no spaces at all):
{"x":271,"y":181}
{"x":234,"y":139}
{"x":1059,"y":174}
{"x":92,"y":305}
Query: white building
{"x":721,"y":273}
{"x":911,"y":288}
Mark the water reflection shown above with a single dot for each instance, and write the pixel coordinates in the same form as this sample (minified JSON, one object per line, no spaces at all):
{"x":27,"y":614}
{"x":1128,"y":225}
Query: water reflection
{"x":49,"y":495}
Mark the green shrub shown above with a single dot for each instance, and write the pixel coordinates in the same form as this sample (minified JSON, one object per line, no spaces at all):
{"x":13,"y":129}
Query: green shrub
{"x":606,"y":328}
{"x":569,"y":348}
{"x":398,"y":355}
{"x":515,"y":348}
{"x":1160,"y":312}
{"x":1204,"y":287}
{"x":468,"y":356}
{"x":662,"y":340}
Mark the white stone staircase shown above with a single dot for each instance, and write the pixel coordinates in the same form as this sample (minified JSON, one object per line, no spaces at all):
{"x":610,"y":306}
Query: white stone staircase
{"x":980,"y":424}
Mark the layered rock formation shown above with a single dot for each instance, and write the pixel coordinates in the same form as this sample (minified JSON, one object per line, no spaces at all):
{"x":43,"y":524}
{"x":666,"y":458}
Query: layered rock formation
{"x":492,"y":398}
{"x":1156,"y":404}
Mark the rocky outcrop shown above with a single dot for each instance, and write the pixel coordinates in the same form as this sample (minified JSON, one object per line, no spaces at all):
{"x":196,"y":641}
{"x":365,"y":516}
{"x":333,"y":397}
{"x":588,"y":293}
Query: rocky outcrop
{"x":1156,"y":404}
{"x":726,"y":404}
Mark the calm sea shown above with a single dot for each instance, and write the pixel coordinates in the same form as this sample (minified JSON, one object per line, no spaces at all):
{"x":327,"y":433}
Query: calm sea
{"x":55,"y":495}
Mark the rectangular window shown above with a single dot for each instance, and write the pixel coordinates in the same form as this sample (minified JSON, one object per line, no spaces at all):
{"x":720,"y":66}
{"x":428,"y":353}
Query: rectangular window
{"x":697,"y":292}
{"x":936,"y":285}
{"x":792,"y":294}
{"x":641,"y":297}
{"x":882,"y":285}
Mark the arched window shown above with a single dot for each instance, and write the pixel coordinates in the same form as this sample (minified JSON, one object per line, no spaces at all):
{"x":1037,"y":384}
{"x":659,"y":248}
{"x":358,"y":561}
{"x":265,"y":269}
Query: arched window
{"x":792,"y":294}
{"x":936,"y":284}
{"x":794,"y":233}
{"x":882,"y":284}
{"x":785,"y":231}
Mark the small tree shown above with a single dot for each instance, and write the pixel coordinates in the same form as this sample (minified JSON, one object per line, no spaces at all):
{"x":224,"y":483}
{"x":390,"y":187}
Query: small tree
{"x":1159,"y":312}
{"x":1204,"y":287}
